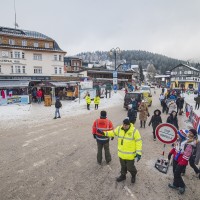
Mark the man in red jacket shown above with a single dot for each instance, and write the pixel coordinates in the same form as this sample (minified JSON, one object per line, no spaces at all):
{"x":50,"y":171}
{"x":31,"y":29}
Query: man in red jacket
{"x":102,"y":142}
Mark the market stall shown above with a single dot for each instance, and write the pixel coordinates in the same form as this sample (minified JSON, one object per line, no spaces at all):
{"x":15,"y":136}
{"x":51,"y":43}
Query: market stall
{"x":14,"y":92}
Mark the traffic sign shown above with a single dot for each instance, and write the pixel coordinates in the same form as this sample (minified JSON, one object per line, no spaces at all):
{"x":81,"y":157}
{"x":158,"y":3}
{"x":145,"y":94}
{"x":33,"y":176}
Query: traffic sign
{"x":114,"y":81}
{"x":166,"y":133}
{"x":115,"y":74}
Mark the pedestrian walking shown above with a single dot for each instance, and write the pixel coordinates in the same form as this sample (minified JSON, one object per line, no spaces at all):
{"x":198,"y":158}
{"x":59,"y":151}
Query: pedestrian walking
{"x":180,"y":103}
{"x":129,"y":148}
{"x":144,"y":112}
{"x":96,"y":102}
{"x":155,"y":121}
{"x":172,"y":119}
{"x":88,"y":101}
{"x":180,"y":161}
{"x":102,"y":142}
{"x":132,"y":114}
{"x":197,"y":99}
{"x":39,"y":96}
{"x":58,"y":105}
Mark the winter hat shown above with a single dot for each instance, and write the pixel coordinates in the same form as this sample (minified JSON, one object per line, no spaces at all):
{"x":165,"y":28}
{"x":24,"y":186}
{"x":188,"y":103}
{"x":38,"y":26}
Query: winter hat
{"x":183,"y":134}
{"x":126,"y":121}
{"x":193,"y":131}
{"x":103,"y":113}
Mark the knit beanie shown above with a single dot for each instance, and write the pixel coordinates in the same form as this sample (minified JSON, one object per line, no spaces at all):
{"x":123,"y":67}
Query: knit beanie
{"x":126,"y":121}
{"x":103,"y":114}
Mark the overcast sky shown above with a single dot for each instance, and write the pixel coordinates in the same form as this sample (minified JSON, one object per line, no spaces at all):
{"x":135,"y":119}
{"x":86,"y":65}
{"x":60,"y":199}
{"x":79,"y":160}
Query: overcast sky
{"x":168,"y":27}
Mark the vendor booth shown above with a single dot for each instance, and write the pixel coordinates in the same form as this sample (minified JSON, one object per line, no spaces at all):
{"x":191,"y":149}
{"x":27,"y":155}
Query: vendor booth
{"x":14,"y":92}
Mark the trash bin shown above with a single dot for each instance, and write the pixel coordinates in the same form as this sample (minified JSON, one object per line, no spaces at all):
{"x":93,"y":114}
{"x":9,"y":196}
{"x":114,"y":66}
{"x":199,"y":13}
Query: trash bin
{"x":47,"y":100}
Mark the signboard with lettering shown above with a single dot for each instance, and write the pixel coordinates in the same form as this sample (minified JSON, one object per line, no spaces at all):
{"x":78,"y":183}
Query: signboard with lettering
{"x":166,"y":133}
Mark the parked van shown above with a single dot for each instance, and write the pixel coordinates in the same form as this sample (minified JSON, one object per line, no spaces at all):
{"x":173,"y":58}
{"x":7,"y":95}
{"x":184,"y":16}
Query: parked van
{"x":128,"y":96}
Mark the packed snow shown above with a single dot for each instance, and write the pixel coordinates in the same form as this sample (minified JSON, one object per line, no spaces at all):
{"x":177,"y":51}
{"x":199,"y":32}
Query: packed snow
{"x":12,"y":115}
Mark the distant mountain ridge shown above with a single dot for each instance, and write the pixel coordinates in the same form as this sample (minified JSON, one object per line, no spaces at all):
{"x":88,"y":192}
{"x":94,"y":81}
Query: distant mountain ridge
{"x":161,"y":63}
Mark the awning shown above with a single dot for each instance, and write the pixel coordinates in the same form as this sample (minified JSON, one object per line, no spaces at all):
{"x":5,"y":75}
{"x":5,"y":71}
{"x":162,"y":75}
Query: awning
{"x":14,"y":84}
{"x":59,"y":84}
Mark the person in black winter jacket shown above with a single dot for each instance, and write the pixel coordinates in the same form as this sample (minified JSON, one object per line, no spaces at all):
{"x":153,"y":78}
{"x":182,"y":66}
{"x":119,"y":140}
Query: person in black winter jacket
{"x":132,"y":114}
{"x":58,"y":105}
{"x":180,"y":103}
{"x":172,"y":119}
{"x":155,"y":121}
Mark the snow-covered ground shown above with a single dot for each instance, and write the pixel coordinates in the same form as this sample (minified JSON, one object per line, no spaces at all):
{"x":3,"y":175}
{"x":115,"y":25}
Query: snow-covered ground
{"x":14,"y":115}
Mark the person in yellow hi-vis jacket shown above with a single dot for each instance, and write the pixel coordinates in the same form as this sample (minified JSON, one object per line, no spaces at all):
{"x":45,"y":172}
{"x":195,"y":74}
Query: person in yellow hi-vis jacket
{"x":88,"y":101}
{"x":96,"y":102}
{"x":129,"y":147}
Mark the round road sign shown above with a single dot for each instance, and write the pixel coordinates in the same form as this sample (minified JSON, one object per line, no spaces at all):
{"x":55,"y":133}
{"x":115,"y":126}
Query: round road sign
{"x":166,"y":133}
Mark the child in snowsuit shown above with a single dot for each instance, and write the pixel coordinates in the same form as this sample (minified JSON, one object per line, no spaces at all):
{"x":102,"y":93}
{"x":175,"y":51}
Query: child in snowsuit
{"x":182,"y":152}
{"x":155,"y":121}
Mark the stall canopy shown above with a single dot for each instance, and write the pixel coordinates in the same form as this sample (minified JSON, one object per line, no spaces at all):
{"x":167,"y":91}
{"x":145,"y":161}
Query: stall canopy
{"x":59,"y":84}
{"x":14,"y":84}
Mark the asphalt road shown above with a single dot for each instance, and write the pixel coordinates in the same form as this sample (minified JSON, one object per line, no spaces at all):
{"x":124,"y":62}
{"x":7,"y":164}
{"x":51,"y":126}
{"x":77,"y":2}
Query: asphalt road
{"x":57,"y":161}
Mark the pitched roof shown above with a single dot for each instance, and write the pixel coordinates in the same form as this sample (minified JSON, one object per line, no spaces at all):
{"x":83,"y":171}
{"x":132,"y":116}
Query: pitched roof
{"x":23,"y":33}
{"x":190,"y":67}
{"x":28,"y":34}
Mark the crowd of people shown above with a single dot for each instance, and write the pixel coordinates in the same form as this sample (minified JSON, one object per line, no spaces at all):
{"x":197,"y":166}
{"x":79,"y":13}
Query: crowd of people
{"x":186,"y":150}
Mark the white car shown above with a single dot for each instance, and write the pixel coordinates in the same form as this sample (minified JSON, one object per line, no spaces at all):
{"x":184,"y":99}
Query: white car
{"x":145,"y":88}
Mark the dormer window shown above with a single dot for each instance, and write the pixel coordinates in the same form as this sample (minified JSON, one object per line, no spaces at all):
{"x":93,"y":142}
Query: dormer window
{"x":35,"y":44}
{"x":46,"y":45}
{"x":11,"y":42}
{"x":24,"y":43}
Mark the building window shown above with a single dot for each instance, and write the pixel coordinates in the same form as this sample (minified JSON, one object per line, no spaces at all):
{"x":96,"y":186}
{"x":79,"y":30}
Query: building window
{"x":24,"y":43}
{"x":17,"y":54}
{"x":55,"y":57}
{"x":17,"y":69}
{"x":12,"y":71}
{"x":23,"y":69}
{"x":37,"y":56}
{"x":60,"y":70}
{"x":0,"y":41}
{"x":11,"y":42}
{"x":60,"y":58}
{"x":46,"y":45}
{"x":37,"y":70}
{"x":11,"y":54}
{"x":77,"y":64}
{"x":55,"y":70}
{"x":0,"y":68}
{"x":23,"y":55}
{"x":35,"y":44}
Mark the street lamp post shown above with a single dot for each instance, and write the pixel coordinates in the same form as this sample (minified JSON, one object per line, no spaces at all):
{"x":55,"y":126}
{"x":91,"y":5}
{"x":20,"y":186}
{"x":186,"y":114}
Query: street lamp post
{"x":115,"y":51}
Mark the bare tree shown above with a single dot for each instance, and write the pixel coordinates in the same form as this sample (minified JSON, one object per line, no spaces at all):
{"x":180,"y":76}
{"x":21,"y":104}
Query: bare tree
{"x":151,"y":72}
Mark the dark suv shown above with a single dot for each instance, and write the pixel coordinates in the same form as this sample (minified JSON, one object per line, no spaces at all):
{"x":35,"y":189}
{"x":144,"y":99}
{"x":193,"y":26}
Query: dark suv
{"x":128,"y":96}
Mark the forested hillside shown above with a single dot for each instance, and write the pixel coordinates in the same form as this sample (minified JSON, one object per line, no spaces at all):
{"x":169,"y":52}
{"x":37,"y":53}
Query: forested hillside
{"x":161,"y":63}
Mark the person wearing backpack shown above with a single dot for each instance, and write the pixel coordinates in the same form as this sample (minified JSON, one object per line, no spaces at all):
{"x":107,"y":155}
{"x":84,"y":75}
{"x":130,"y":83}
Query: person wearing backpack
{"x":58,"y":105}
{"x":182,"y":152}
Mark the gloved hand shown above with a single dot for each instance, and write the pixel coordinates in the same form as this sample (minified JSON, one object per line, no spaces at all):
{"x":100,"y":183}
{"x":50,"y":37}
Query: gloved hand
{"x":94,"y":136}
{"x":138,"y":157}
{"x":100,"y":131}
{"x":112,"y":138}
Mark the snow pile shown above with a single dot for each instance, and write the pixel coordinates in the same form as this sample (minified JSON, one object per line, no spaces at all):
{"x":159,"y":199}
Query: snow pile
{"x":14,"y":115}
